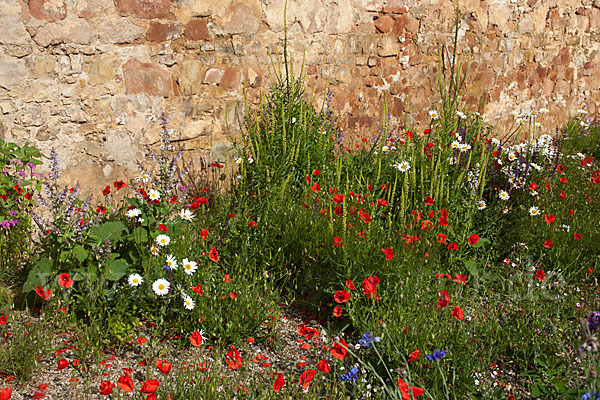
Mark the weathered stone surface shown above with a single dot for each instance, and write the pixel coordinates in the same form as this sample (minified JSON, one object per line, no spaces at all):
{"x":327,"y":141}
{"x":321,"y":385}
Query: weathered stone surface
{"x":241,"y":19}
{"x":231,"y":78}
{"x":12,"y":71}
{"x":213,"y":76}
{"x":384,"y":24}
{"x":68,"y":31}
{"x":48,"y":10}
{"x":148,"y":78}
{"x":159,"y":32}
{"x":117,"y":31}
{"x":196,"y":29}
{"x":104,"y":70}
{"x":190,"y":78}
{"x":143,"y":8}
{"x":12,"y":30}
{"x":214,"y":8}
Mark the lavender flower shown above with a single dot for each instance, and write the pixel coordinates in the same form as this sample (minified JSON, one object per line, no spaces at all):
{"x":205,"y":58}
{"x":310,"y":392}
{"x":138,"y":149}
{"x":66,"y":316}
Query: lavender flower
{"x":594,"y":322}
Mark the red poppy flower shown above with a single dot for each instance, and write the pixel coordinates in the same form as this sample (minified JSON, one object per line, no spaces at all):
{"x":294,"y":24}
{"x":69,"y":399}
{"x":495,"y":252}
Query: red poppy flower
{"x":4,"y":197}
{"x":64,"y":280}
{"x":549,"y":218}
{"x":149,"y":387}
{"x":279,"y":382}
{"x":106,"y":388}
{"x":428,"y":201}
{"x":62,"y":364}
{"x":349,"y":285}
{"x":125,"y":383}
{"x":197,"y":289}
{"x":382,"y":203}
{"x":437,"y":276}
{"x":540,"y":275}
{"x":337,"y":241}
{"x":44,"y":294}
{"x":3,"y":320}
{"x":338,"y":198}
{"x":341,"y":296}
{"x":203,"y":234}
{"x":101,"y":210}
{"x":414,"y":356}
{"x":119,"y":185}
{"x":28,"y":196}
{"x":441,"y":237}
{"x":316,"y":188}
{"x":306,"y":377}
{"x":5,"y":393}
{"x":106,"y":190}
{"x":369,"y":286}
{"x":233,"y":295}
{"x":213,"y":255}
{"x":457,"y":313}
{"x":453,"y":246}
{"x":560,"y":168}
{"x":323,"y":366}
{"x":388,"y":253}
{"x":427,"y":131}
{"x":142,"y":340}
{"x":577,"y":235}
{"x":316,"y":172}
{"x":196,"y":339}
{"x":443,"y":300}
{"x":548,"y":243}
{"x":405,"y":389}
{"x":473,"y":239}
{"x":18,"y":189}
{"x":163,"y":366}
{"x":562,"y":195}
{"x":252,"y":224}
{"x":460,"y":278}
{"x":337,"y":311}
{"x":233,"y":358}
{"x":162,"y":228}
{"x":339,"y":350}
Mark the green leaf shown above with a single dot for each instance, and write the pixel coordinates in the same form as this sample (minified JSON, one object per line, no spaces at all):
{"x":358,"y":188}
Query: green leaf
{"x":481,"y":243}
{"x":536,"y":390}
{"x":116,"y":269}
{"x":80,"y":253}
{"x":471,"y":266}
{"x":38,"y":276}
{"x":108,"y":231}
{"x":140,"y":235}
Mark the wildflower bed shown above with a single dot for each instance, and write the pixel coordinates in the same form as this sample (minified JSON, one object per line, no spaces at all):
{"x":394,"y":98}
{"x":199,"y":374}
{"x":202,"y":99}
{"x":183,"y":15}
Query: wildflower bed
{"x":455,"y":262}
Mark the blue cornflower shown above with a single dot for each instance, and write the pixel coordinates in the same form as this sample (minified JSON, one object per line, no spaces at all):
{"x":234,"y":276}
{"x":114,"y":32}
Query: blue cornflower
{"x":589,"y":396}
{"x":351,"y":375}
{"x":594,"y":322}
{"x":367,"y":339}
{"x":166,"y":267}
{"x":436,"y":356}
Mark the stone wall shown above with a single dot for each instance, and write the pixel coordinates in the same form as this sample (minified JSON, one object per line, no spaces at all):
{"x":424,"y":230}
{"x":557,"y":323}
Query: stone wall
{"x":91,"y":77}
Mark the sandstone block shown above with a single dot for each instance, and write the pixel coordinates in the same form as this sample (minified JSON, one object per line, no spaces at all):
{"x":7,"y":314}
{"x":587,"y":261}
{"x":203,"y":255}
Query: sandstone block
{"x":240,"y":19}
{"x":12,"y":71}
{"x":213,"y":76}
{"x":384,"y":24}
{"x":388,"y":47}
{"x":48,"y":10}
{"x":118,"y":31}
{"x":71,"y":30}
{"x":104,"y":70}
{"x":148,"y":78}
{"x":143,"y":8}
{"x":190,"y":77}
{"x":204,"y":8}
{"x":158,"y":32}
{"x":231,"y":78}
{"x":12,"y":30}
{"x":196,"y":29}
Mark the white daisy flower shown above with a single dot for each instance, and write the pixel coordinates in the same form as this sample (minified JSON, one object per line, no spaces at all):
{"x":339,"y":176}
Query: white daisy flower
{"x":533,"y":192}
{"x":538,"y":124}
{"x":161,"y":287}
{"x":495,"y":141}
{"x":503,"y":195}
{"x":461,"y":115}
{"x":154,"y":250}
{"x":163,"y":240}
{"x":464,"y":147}
{"x":535,"y":166}
{"x":189,"y":267}
{"x":134,"y":212}
{"x":141,"y":220}
{"x":171,"y":262}
{"x":144,"y":178}
{"x":154,"y":194}
{"x":402,"y":166}
{"x":188,"y":303}
{"x":452,"y":160}
{"x":582,"y":111}
{"x":238,"y":160}
{"x":544,"y":110}
{"x":135,"y":280}
{"x":520,"y":121}
{"x":186,"y":214}
{"x":250,"y":160}
{"x":385,"y":149}
{"x":481,"y":205}
{"x":512,"y":156}
{"x":434,"y":114}
{"x":455,"y":145}
{"x":515,"y":113}
{"x":533,"y":211}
